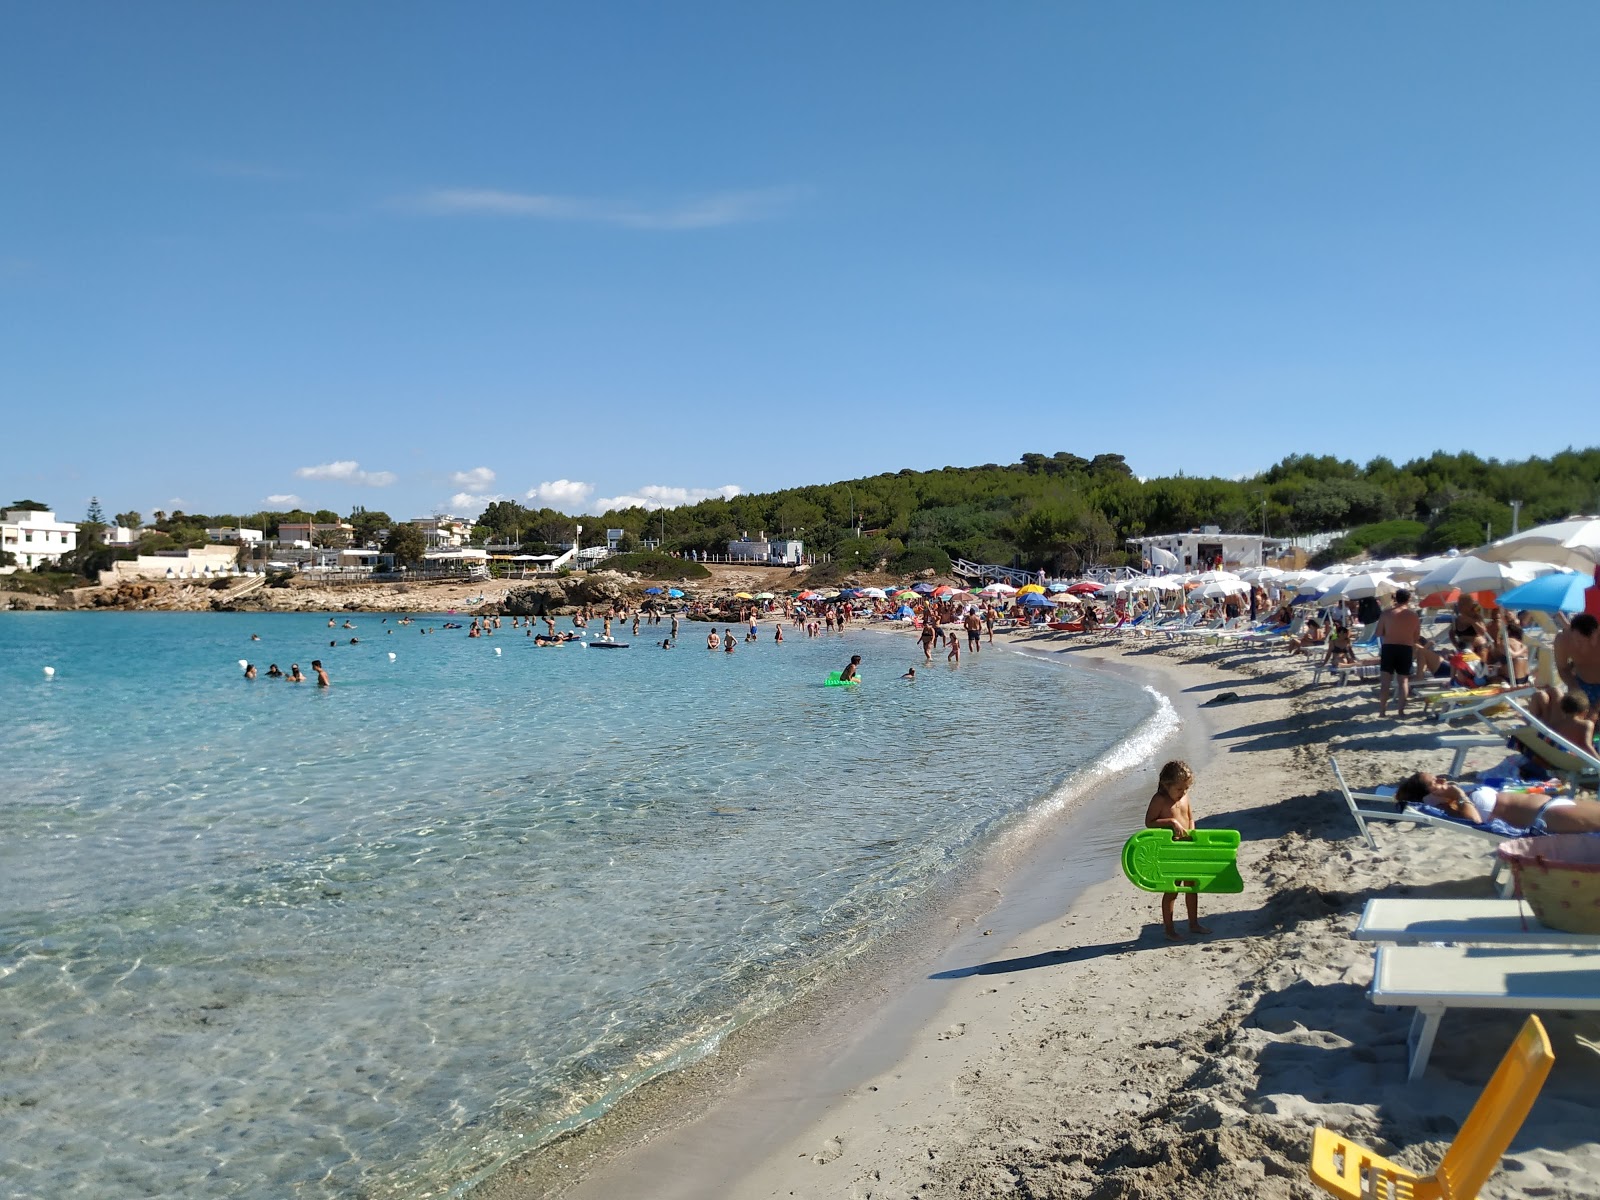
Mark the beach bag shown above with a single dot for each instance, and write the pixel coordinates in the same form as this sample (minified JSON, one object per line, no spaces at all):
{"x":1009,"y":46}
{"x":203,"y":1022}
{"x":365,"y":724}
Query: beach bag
{"x":1559,"y":876}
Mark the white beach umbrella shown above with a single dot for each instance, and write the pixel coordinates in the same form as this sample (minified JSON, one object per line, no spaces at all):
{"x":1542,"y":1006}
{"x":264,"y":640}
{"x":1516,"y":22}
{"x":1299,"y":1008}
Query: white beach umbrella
{"x":1357,"y":587}
{"x":1223,"y":587}
{"x":875,"y":593}
{"x":1398,"y":565}
{"x":1214,"y":577}
{"x":1472,"y":574}
{"x":1574,"y":545}
{"x":1167,"y":583}
{"x":1315,"y":582}
{"x":1261,"y":574}
{"x":1000,"y":589}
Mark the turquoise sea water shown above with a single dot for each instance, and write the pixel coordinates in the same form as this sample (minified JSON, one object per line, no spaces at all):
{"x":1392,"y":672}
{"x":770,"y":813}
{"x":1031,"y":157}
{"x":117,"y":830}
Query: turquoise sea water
{"x":261,"y":940}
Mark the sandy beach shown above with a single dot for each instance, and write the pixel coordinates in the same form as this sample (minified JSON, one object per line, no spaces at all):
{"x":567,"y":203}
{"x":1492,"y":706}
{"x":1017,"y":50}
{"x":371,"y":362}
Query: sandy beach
{"x":1042,"y":1038}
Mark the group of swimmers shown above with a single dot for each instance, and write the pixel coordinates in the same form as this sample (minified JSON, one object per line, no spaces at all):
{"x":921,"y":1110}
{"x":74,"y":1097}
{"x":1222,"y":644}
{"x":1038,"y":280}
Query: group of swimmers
{"x":293,"y":675}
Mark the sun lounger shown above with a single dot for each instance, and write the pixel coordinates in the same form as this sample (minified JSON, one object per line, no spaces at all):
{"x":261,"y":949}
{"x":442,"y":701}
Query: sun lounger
{"x":1564,"y":758}
{"x":1352,"y":1172}
{"x":1379,"y":806}
{"x":1435,"y":979}
{"x":1411,"y":921}
{"x":1464,"y":743}
{"x":1479,"y":703}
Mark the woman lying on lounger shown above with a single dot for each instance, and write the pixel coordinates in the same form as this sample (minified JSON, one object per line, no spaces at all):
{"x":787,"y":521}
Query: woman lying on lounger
{"x":1534,"y":811}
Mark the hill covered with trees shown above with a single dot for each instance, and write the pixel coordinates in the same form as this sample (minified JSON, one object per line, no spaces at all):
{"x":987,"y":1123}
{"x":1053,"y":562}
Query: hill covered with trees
{"x":1060,"y":511}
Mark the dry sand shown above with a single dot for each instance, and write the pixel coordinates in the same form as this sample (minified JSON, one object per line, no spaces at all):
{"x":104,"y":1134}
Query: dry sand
{"x":1074,"y":1052}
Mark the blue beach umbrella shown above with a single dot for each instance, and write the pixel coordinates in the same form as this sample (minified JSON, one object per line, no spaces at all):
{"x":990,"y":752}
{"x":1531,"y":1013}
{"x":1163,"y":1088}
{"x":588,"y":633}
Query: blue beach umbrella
{"x":1558,"y":592}
{"x":1035,"y":600}
{"x":922,"y":588}
{"x":675,"y":593}
{"x":652,"y":591}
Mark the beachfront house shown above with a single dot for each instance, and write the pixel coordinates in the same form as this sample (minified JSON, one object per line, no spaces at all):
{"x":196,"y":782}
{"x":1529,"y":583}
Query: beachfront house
{"x":338,"y":535}
{"x":34,"y":537}
{"x":227,"y":533}
{"x":761,"y":549}
{"x":444,"y":533}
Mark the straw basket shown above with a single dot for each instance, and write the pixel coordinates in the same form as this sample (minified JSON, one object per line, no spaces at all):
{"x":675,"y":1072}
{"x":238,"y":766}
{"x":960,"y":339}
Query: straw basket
{"x":1559,"y":876}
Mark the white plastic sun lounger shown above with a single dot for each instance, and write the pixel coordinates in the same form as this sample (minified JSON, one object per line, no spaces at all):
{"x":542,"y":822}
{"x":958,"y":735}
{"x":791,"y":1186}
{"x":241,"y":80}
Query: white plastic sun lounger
{"x":1434,"y":979}
{"x":1379,"y":806}
{"x":1411,"y":921}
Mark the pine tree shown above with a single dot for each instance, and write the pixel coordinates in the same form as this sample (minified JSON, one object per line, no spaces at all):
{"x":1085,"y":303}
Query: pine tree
{"x":95,"y":516}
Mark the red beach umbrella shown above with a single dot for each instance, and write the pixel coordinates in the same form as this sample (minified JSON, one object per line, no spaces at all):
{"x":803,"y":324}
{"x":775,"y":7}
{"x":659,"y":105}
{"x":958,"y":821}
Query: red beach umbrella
{"x":1086,"y":588}
{"x":1440,"y":599}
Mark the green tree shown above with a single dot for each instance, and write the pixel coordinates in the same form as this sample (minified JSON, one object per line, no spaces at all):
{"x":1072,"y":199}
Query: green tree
{"x":35,"y":505}
{"x":406,"y":543}
{"x":95,"y":515}
{"x":129,"y":520}
{"x":368,"y":524}
{"x":326,"y":516}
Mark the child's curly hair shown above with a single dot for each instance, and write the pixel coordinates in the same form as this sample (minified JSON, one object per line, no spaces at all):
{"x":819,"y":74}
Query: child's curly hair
{"x":1175,"y":772}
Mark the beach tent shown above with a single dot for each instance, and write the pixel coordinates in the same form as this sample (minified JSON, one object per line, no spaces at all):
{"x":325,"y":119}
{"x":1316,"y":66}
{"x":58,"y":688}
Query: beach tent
{"x":902,"y":612}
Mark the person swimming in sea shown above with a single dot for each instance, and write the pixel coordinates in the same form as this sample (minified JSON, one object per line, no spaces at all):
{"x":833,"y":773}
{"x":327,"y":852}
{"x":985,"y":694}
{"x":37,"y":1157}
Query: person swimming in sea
{"x":851,"y":672}
{"x":273,"y":672}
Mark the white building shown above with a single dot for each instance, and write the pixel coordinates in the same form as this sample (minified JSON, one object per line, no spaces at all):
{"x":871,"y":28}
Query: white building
{"x":1203,"y":549}
{"x":202,"y":562}
{"x":119,"y":535}
{"x":760,"y":549}
{"x":227,"y":533}
{"x":34,"y":536}
{"x":444,"y":533}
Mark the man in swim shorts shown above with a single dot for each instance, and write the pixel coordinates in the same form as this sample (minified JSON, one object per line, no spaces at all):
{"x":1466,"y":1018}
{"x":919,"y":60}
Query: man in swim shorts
{"x":1399,"y":630}
{"x":1577,"y":651}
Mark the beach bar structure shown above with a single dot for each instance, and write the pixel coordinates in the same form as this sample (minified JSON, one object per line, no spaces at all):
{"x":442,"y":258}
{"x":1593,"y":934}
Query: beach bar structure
{"x":761,"y":549}
{"x":1203,"y":549}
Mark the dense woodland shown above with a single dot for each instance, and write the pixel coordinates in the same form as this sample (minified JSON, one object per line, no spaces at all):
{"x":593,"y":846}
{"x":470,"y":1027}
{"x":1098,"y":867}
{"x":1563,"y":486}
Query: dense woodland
{"x":1058,"y":511}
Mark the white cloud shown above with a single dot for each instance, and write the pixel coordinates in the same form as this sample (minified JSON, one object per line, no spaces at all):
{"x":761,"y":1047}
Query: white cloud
{"x":347,"y":471}
{"x":568,"y":495}
{"x":654,"y":495}
{"x":470,"y":504}
{"x":288,"y":499}
{"x":477,"y":480}
{"x":699,"y":212}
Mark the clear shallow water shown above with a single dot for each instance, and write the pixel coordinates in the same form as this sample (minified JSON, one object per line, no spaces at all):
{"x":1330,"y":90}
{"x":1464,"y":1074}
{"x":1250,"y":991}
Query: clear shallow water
{"x":260,"y":940}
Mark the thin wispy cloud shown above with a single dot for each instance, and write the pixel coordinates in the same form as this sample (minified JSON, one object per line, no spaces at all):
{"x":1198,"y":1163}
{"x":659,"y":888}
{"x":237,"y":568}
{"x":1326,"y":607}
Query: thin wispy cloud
{"x":235,"y":169}
{"x":709,"y":211}
{"x":347,"y":471}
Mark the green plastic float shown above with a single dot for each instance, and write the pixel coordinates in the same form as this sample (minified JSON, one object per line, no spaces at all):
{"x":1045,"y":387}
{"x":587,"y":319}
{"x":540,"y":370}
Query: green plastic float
{"x":1204,"y":861}
{"x":835,"y":681}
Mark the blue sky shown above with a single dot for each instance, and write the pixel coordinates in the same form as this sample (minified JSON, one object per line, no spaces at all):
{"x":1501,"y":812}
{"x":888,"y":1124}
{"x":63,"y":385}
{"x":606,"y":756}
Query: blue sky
{"x":413,"y":256}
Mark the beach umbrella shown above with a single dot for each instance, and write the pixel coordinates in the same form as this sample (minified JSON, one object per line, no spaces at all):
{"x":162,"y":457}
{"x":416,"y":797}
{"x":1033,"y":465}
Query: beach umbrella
{"x":944,"y":591}
{"x":675,"y":593}
{"x":1031,"y":589}
{"x":1066,"y":600}
{"x":907,"y":594}
{"x":1000,"y":589}
{"x":1086,"y":588}
{"x":1559,"y":591}
{"x":875,"y":593}
{"x":652,"y":591}
{"x":743,"y":596}
{"x":1215,"y":577}
{"x":809,"y":596}
{"x":1037,"y":600}
{"x":1442,"y":599}
{"x":765,"y":596}
{"x":1223,"y":587}
{"x":1472,"y":574}
{"x":923,"y":589}
{"x":1360,"y":586}
{"x":1574,"y":545}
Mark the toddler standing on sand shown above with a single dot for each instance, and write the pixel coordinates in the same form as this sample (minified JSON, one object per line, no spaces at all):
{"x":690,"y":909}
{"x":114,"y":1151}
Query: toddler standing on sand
{"x":1169,"y":809}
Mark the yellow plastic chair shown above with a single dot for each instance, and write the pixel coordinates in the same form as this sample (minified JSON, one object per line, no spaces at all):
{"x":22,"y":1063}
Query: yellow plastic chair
{"x":1353,"y":1172}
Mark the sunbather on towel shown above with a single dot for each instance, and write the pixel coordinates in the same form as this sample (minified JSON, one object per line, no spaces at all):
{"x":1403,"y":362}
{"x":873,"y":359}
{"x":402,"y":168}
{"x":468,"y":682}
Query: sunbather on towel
{"x":1535,"y":811}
